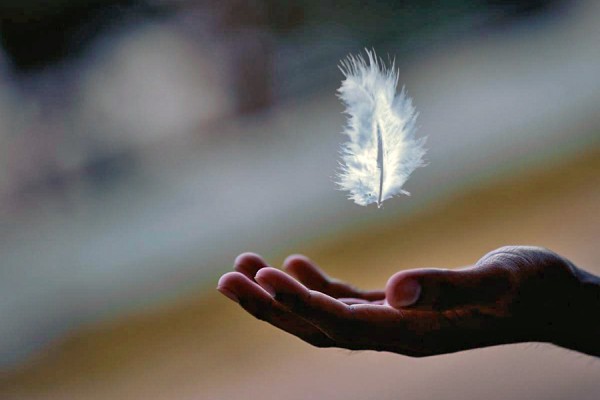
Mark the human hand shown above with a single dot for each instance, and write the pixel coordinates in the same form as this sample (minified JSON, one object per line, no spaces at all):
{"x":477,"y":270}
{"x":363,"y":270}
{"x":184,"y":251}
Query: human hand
{"x":513,"y":294}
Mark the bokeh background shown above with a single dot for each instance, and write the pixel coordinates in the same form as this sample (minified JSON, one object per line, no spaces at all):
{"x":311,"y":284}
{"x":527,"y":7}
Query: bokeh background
{"x":143,"y":145}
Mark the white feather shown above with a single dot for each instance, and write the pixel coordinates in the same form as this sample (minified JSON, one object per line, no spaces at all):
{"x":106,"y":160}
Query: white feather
{"x":382,"y":150}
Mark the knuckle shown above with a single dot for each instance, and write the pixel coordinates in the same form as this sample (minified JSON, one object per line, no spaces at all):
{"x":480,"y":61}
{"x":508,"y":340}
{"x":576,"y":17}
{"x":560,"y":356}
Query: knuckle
{"x":518,"y":261}
{"x":506,"y":255}
{"x":535,"y":275}
{"x":510,"y":262}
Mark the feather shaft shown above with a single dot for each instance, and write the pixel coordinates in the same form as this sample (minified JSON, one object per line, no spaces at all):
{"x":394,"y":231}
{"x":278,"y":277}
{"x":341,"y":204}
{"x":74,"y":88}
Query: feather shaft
{"x":380,"y":165}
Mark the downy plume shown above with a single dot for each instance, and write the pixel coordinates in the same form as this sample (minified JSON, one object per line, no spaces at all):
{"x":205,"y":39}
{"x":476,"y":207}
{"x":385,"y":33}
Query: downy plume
{"x":381,"y":151}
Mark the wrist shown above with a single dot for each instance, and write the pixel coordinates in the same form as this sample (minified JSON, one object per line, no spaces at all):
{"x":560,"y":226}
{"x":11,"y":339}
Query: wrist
{"x":579,"y":326}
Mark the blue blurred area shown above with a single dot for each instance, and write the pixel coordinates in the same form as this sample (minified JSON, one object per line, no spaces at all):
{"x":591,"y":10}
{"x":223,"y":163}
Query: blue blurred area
{"x":144,"y":145}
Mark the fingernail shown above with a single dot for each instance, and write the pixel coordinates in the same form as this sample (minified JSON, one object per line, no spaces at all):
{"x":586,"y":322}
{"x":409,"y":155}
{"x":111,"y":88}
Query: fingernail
{"x":407,"y":293}
{"x":265,"y":285}
{"x":228,"y":293}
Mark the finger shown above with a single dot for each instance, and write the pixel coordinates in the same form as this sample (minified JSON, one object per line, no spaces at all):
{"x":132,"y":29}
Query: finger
{"x":441,"y":289}
{"x":249,"y":264}
{"x":314,"y":278}
{"x":260,"y":304}
{"x":323,"y":311}
{"x":351,"y":301}
{"x":361,"y":326}
{"x":377,"y":313}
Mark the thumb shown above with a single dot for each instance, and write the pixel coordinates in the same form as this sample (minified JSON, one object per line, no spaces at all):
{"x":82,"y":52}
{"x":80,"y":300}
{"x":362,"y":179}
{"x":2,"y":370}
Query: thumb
{"x":440,"y":289}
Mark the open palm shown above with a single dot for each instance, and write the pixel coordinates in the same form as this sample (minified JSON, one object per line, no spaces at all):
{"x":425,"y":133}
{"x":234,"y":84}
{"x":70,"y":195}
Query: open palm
{"x":506,"y":297}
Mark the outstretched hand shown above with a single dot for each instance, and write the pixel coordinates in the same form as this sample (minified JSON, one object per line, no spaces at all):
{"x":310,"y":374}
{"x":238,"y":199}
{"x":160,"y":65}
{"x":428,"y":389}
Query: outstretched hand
{"x":513,"y":294}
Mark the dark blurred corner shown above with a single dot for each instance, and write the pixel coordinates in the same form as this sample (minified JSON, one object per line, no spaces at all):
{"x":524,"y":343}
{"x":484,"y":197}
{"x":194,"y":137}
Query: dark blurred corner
{"x":37,"y":33}
{"x":272,"y":51}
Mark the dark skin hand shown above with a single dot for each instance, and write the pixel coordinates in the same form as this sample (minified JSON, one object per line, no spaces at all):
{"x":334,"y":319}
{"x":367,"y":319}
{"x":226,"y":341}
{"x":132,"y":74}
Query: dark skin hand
{"x":513,"y":294}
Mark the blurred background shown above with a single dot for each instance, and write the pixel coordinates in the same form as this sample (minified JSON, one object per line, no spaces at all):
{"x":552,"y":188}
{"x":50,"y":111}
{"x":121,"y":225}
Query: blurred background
{"x":144,"y":144}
